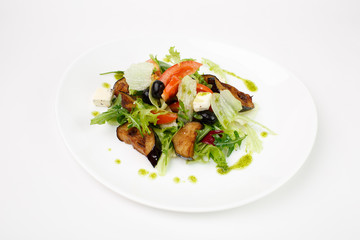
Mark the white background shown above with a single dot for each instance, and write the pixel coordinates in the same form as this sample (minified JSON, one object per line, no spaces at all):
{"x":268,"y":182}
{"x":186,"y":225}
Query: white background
{"x":45,"y":194}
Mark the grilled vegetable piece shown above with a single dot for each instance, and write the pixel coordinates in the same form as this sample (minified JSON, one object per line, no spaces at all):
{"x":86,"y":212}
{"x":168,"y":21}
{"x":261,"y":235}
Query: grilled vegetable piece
{"x":121,"y":86}
{"x":214,"y":81}
{"x":184,"y":139}
{"x":146,"y":144}
{"x":155,"y":153}
{"x":127,"y":101}
{"x":245,"y":99}
{"x":217,"y":86}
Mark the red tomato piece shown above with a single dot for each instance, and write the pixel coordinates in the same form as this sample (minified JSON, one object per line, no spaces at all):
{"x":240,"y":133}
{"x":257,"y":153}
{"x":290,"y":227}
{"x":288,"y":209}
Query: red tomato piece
{"x":166,"y":118}
{"x":202,"y":88}
{"x":174,"y":106}
{"x":172,"y":88}
{"x":180,"y":70}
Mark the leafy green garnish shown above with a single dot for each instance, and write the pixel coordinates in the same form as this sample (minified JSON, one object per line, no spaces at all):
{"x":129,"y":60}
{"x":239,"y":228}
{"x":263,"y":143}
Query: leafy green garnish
{"x":165,"y":136}
{"x":183,"y":111}
{"x":114,"y":114}
{"x":143,"y":115}
{"x":140,"y":117}
{"x":227,"y":144}
{"x":203,"y":132}
{"x":200,"y":79}
{"x":173,"y":56}
{"x":118,"y":74}
{"x":205,"y":151}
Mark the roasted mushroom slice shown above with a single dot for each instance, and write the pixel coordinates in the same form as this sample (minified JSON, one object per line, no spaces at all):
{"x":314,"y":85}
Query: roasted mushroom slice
{"x":184,"y":139}
{"x":146,"y":145}
{"x":217,"y":86}
{"x":121,"y":86}
{"x":127,"y":101}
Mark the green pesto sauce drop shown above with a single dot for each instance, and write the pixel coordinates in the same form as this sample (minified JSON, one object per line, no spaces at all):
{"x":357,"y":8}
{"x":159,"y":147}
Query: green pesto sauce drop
{"x":176,"y":180}
{"x":95,"y":113}
{"x":192,"y":179}
{"x":143,"y":172}
{"x":117,"y":161}
{"x":264,"y":134}
{"x":109,"y":149}
{"x":243,"y":162}
{"x":106,"y":85}
{"x":153,"y":175}
{"x":250,"y":85}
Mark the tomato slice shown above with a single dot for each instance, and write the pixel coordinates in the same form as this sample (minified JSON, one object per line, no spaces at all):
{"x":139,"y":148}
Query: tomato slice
{"x":202,"y":88}
{"x":180,"y":70}
{"x":174,"y":106}
{"x":166,"y":118}
{"x":172,"y":88}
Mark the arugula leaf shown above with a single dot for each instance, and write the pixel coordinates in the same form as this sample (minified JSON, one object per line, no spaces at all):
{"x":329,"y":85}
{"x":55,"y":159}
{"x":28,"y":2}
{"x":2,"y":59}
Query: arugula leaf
{"x":114,"y":114}
{"x":140,"y":117}
{"x":203,"y":132}
{"x":205,"y":151}
{"x":183,"y":111}
{"x":173,"y":56}
{"x":227,"y":144}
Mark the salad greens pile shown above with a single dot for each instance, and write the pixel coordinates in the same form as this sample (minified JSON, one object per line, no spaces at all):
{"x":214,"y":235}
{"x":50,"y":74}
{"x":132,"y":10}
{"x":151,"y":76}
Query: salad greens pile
{"x":164,"y":94}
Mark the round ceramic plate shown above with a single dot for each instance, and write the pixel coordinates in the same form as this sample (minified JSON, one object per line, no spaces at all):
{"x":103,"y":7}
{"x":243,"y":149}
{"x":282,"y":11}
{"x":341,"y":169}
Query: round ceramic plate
{"x":283,"y":104}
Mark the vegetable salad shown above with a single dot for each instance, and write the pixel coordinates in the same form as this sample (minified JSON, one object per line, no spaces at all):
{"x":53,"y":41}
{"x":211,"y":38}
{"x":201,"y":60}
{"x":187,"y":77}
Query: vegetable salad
{"x":168,"y":108}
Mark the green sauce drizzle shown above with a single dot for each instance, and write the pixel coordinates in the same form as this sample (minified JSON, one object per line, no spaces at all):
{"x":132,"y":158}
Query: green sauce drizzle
{"x":264,"y":134}
{"x":192,"y":179}
{"x":109,"y":149}
{"x":243,"y":162}
{"x":250,"y":85}
{"x":176,"y":180}
{"x":143,"y":172}
{"x":106,"y":85}
{"x":117,"y":161}
{"x":95,"y":113}
{"x":153,"y":175}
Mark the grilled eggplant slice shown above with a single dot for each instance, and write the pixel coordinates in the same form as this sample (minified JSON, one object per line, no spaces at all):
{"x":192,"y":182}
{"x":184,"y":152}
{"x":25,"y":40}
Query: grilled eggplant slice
{"x":121,"y":86}
{"x":146,"y":145}
{"x":127,"y":101}
{"x":184,"y":139}
{"x":155,"y":153}
{"x":217,"y":86}
{"x":245,"y":99}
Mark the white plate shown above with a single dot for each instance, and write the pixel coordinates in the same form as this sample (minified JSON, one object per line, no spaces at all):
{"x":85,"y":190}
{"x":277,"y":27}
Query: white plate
{"x":284,"y":105}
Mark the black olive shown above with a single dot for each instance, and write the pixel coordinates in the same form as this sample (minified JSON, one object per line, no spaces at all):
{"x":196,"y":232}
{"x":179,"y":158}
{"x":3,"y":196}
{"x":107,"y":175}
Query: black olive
{"x":145,"y":96}
{"x":157,"y":89}
{"x":207,"y":117}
